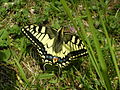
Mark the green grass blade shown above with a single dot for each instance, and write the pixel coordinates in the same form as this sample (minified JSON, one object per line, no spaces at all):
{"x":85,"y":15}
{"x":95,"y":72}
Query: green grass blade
{"x":99,"y":52}
{"x":68,"y":13}
{"x":111,"y":47}
{"x":20,"y":69}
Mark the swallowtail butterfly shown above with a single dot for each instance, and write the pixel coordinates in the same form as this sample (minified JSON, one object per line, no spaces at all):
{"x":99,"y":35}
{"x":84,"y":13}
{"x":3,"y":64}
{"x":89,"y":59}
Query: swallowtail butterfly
{"x":55,"y":47}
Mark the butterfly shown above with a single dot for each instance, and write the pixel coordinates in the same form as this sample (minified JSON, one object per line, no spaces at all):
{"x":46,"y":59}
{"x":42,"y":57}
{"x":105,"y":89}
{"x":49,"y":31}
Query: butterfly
{"x":55,"y":47}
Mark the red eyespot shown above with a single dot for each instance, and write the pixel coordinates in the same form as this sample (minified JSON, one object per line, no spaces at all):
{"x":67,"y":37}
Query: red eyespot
{"x":55,"y":59}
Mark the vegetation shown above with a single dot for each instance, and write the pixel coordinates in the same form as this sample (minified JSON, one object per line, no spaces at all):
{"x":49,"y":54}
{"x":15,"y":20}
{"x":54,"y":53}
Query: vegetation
{"x":97,"y":22}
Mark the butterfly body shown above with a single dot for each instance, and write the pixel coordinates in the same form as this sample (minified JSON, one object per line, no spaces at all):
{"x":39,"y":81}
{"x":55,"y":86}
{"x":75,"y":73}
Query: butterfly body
{"x":56,"y":47}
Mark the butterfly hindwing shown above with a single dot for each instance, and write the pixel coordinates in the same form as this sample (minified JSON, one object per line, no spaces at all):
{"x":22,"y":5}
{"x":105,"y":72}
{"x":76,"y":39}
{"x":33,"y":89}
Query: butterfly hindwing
{"x":75,"y":46}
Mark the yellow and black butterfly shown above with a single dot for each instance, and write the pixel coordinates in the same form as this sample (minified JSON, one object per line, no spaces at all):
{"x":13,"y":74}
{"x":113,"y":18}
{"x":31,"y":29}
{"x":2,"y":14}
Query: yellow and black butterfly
{"x":55,"y":47}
